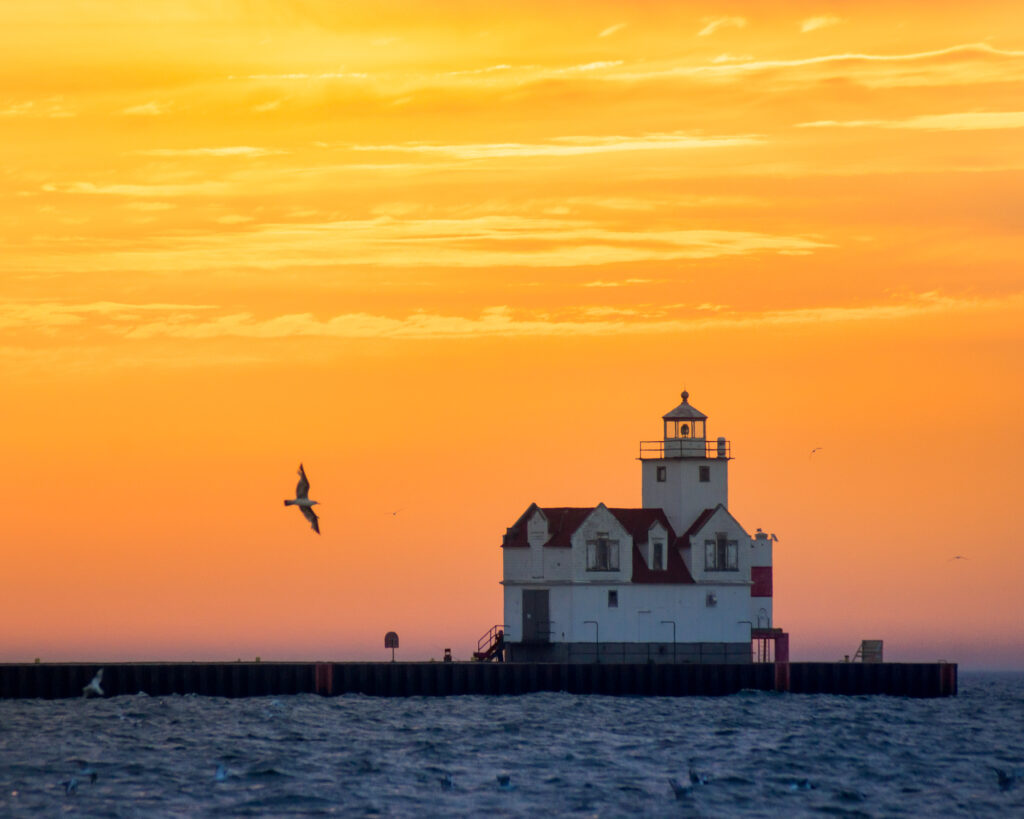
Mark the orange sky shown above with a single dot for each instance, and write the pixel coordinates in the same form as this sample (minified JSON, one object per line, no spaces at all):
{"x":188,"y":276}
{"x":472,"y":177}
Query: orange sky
{"x":458,"y":258}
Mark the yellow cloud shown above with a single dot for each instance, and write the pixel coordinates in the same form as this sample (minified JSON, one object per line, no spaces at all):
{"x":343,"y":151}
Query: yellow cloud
{"x":965,"y":121}
{"x":712,"y":25}
{"x":814,"y":23}
{"x":597,"y":321}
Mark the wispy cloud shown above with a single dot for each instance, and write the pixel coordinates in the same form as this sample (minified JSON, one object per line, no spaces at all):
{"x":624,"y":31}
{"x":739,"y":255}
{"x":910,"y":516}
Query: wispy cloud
{"x":568,"y":146}
{"x":52,"y":108}
{"x":141,"y":191}
{"x":966,"y":121}
{"x":482,"y":242}
{"x":50,"y":316}
{"x":148,"y":109}
{"x":959,"y":64}
{"x":594,"y":320}
{"x":230,"y":150}
{"x":608,"y":32}
{"x":714,"y":24}
{"x":814,"y":23}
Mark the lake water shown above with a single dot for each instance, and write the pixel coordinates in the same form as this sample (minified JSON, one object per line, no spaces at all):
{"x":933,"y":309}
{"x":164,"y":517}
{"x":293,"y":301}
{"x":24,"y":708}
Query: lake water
{"x":762,"y":754}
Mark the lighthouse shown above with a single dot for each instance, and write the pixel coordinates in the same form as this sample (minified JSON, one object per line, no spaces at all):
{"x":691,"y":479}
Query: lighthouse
{"x":677,"y":580}
{"x":683,"y":473}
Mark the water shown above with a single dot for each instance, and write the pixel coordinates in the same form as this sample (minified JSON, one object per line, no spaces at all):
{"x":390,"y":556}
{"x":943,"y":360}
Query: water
{"x":563,"y":754}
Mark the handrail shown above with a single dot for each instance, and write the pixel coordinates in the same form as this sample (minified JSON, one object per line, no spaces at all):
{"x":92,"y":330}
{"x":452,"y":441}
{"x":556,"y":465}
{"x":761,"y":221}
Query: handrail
{"x":488,"y":639}
{"x":685,"y":448}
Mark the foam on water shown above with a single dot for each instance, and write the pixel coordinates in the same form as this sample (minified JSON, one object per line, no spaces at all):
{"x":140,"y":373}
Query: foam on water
{"x":759,"y":754}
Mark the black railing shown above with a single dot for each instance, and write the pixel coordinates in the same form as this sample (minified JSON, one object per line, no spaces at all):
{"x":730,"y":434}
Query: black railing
{"x":685,"y":448}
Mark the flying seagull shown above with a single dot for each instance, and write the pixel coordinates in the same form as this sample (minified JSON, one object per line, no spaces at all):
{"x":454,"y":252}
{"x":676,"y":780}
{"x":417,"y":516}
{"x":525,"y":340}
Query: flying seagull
{"x":816,"y":449}
{"x":93,"y":688}
{"x":303,"y":502}
{"x":957,"y":557}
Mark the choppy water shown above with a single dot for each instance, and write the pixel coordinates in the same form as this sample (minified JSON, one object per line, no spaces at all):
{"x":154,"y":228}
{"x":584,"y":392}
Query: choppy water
{"x":762,"y":754}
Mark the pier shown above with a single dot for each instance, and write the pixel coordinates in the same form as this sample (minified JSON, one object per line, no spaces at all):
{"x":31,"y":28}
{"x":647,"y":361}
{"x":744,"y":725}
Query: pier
{"x":442,"y":679}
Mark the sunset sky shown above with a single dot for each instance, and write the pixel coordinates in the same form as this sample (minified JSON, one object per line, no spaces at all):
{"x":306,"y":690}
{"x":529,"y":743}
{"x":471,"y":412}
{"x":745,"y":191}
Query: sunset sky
{"x":457,"y":257}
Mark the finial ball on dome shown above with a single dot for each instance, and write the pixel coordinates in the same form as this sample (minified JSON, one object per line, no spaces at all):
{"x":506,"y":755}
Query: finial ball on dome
{"x":686,"y":396}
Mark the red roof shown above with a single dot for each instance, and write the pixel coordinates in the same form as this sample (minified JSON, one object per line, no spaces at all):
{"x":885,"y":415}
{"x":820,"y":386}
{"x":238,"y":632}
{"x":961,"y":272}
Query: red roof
{"x":563,"y":521}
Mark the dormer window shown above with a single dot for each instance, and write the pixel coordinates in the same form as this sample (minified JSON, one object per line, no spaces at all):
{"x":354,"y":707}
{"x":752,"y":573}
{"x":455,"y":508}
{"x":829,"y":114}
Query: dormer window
{"x":602,"y":554}
{"x":658,"y":555}
{"x":721,"y":554}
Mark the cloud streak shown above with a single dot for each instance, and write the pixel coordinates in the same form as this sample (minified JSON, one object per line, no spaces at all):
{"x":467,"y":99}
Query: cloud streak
{"x":965,"y":121}
{"x":502,"y":321}
{"x":713,"y":25}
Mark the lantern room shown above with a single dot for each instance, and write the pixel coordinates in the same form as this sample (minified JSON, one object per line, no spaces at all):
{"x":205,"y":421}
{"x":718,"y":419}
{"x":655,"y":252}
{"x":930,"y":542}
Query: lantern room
{"x":684,"y":430}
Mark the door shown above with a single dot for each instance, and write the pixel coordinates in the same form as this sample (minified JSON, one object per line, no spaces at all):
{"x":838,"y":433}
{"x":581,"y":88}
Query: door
{"x":536,"y":622}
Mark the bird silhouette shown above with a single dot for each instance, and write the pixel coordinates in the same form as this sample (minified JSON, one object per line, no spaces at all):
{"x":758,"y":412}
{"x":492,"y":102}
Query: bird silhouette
{"x":302,"y":500}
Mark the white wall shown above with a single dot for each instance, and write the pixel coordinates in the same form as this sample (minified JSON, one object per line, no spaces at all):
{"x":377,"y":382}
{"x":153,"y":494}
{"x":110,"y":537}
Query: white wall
{"x":681,"y":494}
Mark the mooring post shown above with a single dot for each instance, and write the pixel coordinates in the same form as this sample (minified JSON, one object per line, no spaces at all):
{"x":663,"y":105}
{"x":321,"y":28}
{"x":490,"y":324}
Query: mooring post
{"x":782,"y":662}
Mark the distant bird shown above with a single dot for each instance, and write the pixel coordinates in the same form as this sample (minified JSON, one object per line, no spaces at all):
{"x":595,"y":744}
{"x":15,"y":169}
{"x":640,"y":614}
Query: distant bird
{"x":505,"y":782}
{"x":93,"y":688}
{"x":816,"y":449}
{"x":957,"y":557}
{"x":303,"y":502}
{"x":681,"y":791}
{"x":1006,"y":780}
{"x":447,"y":783}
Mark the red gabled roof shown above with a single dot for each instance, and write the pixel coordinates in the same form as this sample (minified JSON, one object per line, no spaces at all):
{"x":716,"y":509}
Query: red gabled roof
{"x":562,"y":522}
{"x":697,"y":525}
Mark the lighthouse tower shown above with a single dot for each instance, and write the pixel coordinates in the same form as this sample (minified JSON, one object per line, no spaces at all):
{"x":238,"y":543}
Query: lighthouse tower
{"x":684,"y":473}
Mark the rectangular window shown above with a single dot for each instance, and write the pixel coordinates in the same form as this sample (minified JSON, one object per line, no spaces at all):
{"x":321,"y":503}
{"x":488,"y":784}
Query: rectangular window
{"x":602,"y":554}
{"x":658,"y":558}
{"x":721,"y":554}
{"x":661,"y":474}
{"x":705,"y":474}
{"x":613,"y":599}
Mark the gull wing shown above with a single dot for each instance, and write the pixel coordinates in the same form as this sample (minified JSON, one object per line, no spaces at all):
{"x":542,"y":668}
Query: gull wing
{"x":310,"y":515}
{"x":302,"y":490}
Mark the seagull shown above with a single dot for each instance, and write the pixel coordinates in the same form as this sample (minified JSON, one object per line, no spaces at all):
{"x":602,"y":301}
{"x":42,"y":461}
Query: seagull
{"x":681,"y":791}
{"x":1006,"y":780}
{"x":816,"y":449}
{"x":94,"y":689}
{"x":303,"y":502}
{"x":957,"y":557}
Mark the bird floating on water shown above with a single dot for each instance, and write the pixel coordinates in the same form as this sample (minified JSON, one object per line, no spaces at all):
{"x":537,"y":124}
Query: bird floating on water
{"x":1006,"y":780}
{"x":681,"y":791}
{"x":93,"y":687}
{"x":302,"y":500}
{"x":505,"y":782}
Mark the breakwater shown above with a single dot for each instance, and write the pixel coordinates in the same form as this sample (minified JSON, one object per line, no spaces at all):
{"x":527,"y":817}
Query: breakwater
{"x":402,"y":679}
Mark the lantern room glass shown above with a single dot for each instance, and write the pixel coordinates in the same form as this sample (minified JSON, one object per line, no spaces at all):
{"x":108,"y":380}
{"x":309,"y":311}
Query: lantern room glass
{"x":684,"y":429}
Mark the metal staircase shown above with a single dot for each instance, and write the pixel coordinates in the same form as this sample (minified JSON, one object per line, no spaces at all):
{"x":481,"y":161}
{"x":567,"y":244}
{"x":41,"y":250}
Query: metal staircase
{"x":491,"y":647}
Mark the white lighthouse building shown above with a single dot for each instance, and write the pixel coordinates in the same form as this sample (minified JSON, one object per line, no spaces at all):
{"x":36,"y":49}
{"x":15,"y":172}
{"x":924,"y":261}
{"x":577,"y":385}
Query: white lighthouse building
{"x":678,"y":580}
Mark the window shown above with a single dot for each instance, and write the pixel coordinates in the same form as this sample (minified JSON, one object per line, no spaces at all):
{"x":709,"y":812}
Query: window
{"x":613,"y":599}
{"x":661,"y":474}
{"x":684,"y":430}
{"x":705,"y":474}
{"x":602,"y":554}
{"x":658,"y":555}
{"x":721,"y":554}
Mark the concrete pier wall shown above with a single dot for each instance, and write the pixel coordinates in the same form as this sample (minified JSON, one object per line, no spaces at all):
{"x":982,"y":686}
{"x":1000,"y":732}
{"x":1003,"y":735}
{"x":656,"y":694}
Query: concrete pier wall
{"x":56,"y":680}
